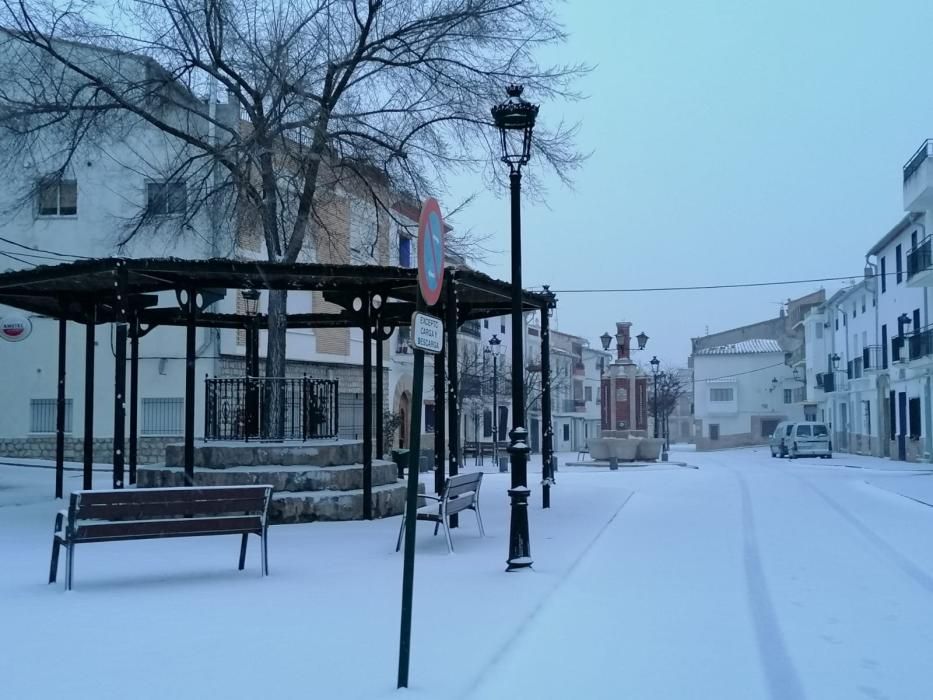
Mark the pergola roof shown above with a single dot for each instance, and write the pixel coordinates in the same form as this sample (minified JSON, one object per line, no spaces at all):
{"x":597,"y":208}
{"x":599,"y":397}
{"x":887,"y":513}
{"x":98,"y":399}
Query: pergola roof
{"x":70,"y":289}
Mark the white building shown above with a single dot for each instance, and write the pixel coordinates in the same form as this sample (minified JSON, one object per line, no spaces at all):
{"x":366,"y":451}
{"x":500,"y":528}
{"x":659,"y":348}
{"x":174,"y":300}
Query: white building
{"x":741,"y":392}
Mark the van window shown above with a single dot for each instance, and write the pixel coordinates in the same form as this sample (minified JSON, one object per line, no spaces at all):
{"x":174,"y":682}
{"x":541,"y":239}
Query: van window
{"x":803,"y":431}
{"x":789,"y":429}
{"x":820,"y":431}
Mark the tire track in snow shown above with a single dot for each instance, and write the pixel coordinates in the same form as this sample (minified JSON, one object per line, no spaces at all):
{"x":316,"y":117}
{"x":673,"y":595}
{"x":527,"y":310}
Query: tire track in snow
{"x":902,"y":562}
{"x":780,"y":672}
{"x":521,"y":628}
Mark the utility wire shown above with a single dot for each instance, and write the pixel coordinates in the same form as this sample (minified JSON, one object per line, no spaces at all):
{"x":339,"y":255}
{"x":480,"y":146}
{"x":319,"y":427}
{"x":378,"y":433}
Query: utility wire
{"x":42,"y":250}
{"x":739,"y":374}
{"x":737,"y":285}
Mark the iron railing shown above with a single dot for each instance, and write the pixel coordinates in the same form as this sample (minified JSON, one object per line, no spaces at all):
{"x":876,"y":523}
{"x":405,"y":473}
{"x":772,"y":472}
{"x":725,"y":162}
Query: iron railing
{"x":240,"y":409}
{"x":919,"y":258}
{"x":872,"y":358}
{"x":916,"y":160}
{"x":920,"y":343}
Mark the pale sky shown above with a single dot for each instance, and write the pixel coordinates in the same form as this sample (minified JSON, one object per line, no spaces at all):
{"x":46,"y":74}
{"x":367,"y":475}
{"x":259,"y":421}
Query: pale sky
{"x":733,"y":141}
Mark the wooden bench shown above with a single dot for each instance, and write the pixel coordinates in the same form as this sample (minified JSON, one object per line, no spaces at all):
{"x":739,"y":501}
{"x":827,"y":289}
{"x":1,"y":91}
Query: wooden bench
{"x":461,"y":492}
{"x":136,"y":514}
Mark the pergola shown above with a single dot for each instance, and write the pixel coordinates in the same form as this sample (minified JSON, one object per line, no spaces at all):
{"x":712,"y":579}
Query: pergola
{"x":376,"y":299}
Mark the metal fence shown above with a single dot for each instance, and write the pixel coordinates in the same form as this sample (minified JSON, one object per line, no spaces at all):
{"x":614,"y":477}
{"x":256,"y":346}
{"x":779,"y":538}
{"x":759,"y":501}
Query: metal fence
{"x":43,"y":415}
{"x":241,"y":409}
{"x":164,"y":416}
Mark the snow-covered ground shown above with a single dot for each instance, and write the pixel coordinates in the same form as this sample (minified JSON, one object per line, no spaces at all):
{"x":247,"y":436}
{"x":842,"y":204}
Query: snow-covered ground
{"x":745,"y":577}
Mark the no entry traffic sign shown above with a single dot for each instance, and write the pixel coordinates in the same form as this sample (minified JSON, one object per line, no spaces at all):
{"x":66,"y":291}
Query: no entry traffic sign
{"x":431,"y":252}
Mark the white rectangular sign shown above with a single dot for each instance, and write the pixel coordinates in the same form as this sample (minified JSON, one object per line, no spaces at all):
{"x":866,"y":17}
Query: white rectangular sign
{"x":427,"y":333}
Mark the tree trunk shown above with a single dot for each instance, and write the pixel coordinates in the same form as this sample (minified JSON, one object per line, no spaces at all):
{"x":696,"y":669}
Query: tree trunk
{"x":274,"y":415}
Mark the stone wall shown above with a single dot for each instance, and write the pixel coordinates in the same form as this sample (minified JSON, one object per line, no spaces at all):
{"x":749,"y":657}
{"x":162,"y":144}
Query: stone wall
{"x":726,"y":441}
{"x":151,"y":450}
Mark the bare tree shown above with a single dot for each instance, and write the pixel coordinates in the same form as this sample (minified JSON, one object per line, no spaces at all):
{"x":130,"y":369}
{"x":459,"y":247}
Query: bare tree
{"x":671,"y":388}
{"x":378,"y":96}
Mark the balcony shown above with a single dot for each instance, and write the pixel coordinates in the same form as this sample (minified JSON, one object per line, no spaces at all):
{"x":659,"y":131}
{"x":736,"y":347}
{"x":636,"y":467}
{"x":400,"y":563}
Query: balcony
{"x":871,"y":358}
{"x":831,"y":382}
{"x":920,"y":264}
{"x":471,"y":328}
{"x":579,"y":406}
{"x":918,"y":179}
{"x":920,"y":343}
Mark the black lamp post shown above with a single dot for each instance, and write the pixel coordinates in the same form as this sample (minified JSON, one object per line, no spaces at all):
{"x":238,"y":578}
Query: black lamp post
{"x":515,"y":120}
{"x":495,"y":349}
{"x":655,"y":365}
{"x":251,"y":300}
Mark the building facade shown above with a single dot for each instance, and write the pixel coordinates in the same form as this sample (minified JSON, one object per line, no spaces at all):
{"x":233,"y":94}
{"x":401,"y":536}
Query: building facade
{"x":740,"y":393}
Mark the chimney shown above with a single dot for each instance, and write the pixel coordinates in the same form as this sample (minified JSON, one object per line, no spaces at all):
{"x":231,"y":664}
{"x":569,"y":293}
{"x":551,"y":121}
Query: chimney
{"x":623,"y":330}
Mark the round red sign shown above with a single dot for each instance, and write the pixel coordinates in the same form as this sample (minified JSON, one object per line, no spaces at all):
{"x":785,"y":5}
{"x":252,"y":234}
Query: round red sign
{"x":15,"y":328}
{"x":431,"y":252}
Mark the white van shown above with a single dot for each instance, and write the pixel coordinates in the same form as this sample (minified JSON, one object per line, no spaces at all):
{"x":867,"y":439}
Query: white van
{"x":809,"y":439}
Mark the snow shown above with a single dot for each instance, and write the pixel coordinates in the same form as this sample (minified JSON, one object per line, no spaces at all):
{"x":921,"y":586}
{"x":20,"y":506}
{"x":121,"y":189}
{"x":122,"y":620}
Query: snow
{"x":742,"y":577}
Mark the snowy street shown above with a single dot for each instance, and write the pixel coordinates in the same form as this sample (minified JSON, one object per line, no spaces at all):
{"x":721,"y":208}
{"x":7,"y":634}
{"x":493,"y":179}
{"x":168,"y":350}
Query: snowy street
{"x":739,"y":576}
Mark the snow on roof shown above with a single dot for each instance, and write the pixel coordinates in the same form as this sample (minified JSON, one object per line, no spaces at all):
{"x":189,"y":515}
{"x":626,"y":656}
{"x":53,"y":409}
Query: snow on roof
{"x":744,"y":347}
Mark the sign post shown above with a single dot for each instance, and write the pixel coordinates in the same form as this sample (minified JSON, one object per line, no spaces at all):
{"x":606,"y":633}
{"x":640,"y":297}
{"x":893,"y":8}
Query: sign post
{"x":427,"y":336}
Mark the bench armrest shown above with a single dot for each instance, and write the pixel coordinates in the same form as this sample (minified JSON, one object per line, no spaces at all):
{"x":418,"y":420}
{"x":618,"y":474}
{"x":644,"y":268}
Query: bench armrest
{"x":59,"y":520}
{"x":433,"y":498}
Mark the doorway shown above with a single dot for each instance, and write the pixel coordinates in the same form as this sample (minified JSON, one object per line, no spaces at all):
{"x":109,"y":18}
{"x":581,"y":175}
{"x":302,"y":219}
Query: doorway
{"x":902,"y":426}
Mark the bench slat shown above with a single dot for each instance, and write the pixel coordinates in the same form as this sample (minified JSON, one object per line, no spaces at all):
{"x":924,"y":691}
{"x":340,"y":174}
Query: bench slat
{"x":166,"y":528}
{"x":463,"y":483}
{"x":170,"y":495}
{"x":143,"y":511}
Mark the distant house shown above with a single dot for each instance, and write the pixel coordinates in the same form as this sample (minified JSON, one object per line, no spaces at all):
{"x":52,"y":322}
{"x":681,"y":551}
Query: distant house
{"x":741,"y":393}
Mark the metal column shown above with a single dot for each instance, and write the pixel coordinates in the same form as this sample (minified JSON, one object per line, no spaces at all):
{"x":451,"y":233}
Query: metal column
{"x":440,"y":396}
{"x":453,"y":407}
{"x":547,"y":437}
{"x":119,"y":379}
{"x":89,"y":344}
{"x":191,"y":328}
{"x":380,"y":396}
{"x":60,"y":416}
{"x":368,"y":413}
{"x":134,"y":397}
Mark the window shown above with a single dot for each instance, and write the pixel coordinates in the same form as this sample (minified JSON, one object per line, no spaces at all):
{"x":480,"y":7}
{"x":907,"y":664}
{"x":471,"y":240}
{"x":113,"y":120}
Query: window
{"x":58,"y":198}
{"x":364,"y":230}
{"x":402,"y":340}
{"x":404,"y":251}
{"x":884,"y":347}
{"x":803,"y":431}
{"x":588,"y":393}
{"x":788,"y":396}
{"x":721,"y":394}
{"x":487,"y":423}
{"x":43,"y":415}
{"x":485,"y":323}
{"x":566,"y":432}
{"x":898,"y":265}
{"x":166,"y":198}
{"x":163,"y":416}
{"x":714,"y":431}
{"x":429,"y":417}
{"x":863,"y":304}
{"x":854,"y":311}
{"x":502,"y":328}
{"x":837,"y":323}
{"x":914,"y":413}
{"x":819,"y":330}
{"x":884,"y":279}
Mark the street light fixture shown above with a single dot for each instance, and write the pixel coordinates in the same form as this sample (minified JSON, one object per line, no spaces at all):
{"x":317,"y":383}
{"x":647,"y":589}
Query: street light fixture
{"x":641,"y":339}
{"x":515,"y":120}
{"x":495,"y":349}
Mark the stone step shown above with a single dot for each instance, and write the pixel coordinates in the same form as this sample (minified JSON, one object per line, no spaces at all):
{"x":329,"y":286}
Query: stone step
{"x":345,"y":477}
{"x":224,"y":455}
{"x":306,"y":507}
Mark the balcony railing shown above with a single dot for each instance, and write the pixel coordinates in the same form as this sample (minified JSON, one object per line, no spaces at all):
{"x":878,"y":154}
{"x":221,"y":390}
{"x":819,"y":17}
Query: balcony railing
{"x":872,"y":358}
{"x":471,"y":328}
{"x":241,"y":409}
{"x":920,"y":257}
{"x":916,"y":160}
{"x":920,"y":343}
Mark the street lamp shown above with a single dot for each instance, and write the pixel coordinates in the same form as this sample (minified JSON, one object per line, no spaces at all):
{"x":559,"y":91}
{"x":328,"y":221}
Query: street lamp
{"x":515,"y":120}
{"x":641,"y":339}
{"x":495,"y":349}
{"x":655,"y":366}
